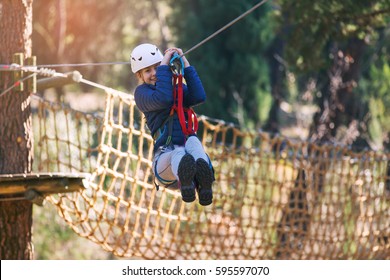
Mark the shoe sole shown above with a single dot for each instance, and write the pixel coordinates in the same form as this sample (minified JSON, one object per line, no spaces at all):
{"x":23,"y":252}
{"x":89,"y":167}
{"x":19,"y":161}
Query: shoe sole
{"x":186,"y":173}
{"x":205,"y":178}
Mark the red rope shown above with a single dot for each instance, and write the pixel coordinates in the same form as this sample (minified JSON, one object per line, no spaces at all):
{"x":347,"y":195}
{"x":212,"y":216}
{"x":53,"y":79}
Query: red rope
{"x":191,"y":125}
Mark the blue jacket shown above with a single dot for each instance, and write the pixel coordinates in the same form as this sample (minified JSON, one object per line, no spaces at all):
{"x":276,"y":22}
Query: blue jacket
{"x":155,"y":102}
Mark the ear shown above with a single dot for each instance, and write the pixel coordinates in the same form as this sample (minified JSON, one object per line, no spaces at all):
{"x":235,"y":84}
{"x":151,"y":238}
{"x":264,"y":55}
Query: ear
{"x":139,"y":76}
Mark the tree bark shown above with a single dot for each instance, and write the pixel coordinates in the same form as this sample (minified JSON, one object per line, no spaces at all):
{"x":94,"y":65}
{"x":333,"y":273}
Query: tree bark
{"x":16,"y":139}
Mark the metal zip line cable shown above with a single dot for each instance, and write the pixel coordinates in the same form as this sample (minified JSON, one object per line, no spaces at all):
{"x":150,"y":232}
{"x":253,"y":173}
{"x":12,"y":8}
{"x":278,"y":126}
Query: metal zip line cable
{"x":225,"y":27}
{"x":84,"y":64}
{"x":18,"y":82}
{"x":4,"y":68}
{"x":27,"y":68}
{"x":31,"y":69}
{"x":15,"y":67}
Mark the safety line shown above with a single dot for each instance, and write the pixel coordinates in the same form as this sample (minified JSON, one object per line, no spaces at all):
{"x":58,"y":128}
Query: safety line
{"x":17,"y":83}
{"x":34,"y":70}
{"x":27,"y":68}
{"x":16,"y":67}
{"x":84,"y":64}
{"x":225,"y":27}
{"x":8,"y":68}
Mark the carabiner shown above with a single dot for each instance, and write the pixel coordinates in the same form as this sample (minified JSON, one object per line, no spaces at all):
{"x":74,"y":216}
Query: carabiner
{"x":176,"y":63}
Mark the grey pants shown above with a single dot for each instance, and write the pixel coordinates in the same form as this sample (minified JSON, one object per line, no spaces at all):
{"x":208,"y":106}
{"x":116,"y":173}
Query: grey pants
{"x":166,"y":160}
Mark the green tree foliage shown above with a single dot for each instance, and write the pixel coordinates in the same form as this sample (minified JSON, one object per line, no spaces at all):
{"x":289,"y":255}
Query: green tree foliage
{"x":232,"y":65}
{"x":374,"y":87}
{"x":329,"y":40}
{"x":313,"y":25}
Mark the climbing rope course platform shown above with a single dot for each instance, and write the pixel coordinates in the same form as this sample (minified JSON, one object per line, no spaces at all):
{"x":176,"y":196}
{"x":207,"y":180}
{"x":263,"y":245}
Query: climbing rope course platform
{"x":274,"y":197}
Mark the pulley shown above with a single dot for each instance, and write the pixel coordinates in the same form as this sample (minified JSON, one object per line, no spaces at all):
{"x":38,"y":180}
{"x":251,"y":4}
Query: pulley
{"x":176,"y":63}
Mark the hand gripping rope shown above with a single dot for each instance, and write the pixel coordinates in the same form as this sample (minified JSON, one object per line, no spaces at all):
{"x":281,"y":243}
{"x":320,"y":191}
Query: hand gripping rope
{"x":189,"y":126}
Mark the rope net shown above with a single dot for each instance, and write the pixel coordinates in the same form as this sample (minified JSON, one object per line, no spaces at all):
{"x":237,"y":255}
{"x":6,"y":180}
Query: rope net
{"x":274,"y":198}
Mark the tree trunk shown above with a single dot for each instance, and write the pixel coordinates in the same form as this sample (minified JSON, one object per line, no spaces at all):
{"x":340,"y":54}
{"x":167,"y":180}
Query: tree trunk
{"x":339,"y":105}
{"x":16,"y":144}
{"x":277,"y":73}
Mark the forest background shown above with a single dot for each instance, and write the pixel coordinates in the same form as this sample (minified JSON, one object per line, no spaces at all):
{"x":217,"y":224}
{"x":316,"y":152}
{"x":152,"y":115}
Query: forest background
{"x":318,"y":71}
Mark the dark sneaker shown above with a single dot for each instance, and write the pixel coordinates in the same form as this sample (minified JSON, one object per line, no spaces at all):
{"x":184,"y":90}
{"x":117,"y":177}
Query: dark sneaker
{"x":204,"y":176}
{"x":186,"y":173}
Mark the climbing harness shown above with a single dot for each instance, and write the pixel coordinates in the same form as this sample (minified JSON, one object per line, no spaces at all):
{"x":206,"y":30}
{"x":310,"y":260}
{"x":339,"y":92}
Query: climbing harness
{"x":189,"y":126}
{"x":166,"y":183}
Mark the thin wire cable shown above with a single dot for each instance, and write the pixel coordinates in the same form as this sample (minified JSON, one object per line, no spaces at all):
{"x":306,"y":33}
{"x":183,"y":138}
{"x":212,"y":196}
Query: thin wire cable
{"x":31,"y":68}
{"x":84,"y":64}
{"x":225,"y":27}
{"x":15,"y":67}
{"x":35,"y":71}
{"x":18,"y":82}
{"x":6,"y":67}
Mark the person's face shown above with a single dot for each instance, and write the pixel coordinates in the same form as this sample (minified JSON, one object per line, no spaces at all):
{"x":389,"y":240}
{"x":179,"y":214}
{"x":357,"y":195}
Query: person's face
{"x":148,"y":74}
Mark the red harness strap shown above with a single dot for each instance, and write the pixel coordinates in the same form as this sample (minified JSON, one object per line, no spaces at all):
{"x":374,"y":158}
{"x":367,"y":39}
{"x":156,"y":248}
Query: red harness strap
{"x":191,"y":125}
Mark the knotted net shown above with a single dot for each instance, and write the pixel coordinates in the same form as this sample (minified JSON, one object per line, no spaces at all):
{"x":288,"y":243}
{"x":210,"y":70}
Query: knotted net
{"x":274,"y":197}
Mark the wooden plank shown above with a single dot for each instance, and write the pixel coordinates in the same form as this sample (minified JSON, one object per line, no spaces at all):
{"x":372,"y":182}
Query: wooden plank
{"x":43,"y":183}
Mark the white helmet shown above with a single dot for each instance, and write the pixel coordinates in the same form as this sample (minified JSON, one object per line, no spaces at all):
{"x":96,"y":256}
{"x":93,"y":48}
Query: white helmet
{"x":144,"y":56}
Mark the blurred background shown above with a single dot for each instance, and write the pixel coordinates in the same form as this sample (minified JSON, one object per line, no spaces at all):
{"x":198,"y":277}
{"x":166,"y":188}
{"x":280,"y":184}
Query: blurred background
{"x":316,"y":71}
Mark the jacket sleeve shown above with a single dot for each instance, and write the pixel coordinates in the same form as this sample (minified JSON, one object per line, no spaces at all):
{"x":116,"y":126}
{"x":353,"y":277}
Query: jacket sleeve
{"x":194,"y":93}
{"x":154,"y":98}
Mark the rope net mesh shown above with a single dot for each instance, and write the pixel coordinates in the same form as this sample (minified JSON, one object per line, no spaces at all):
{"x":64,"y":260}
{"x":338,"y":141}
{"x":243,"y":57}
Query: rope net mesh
{"x":274,"y":198}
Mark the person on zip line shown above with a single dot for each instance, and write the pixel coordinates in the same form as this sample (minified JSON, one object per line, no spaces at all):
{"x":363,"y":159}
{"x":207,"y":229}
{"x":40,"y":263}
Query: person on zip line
{"x":179,"y":158}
